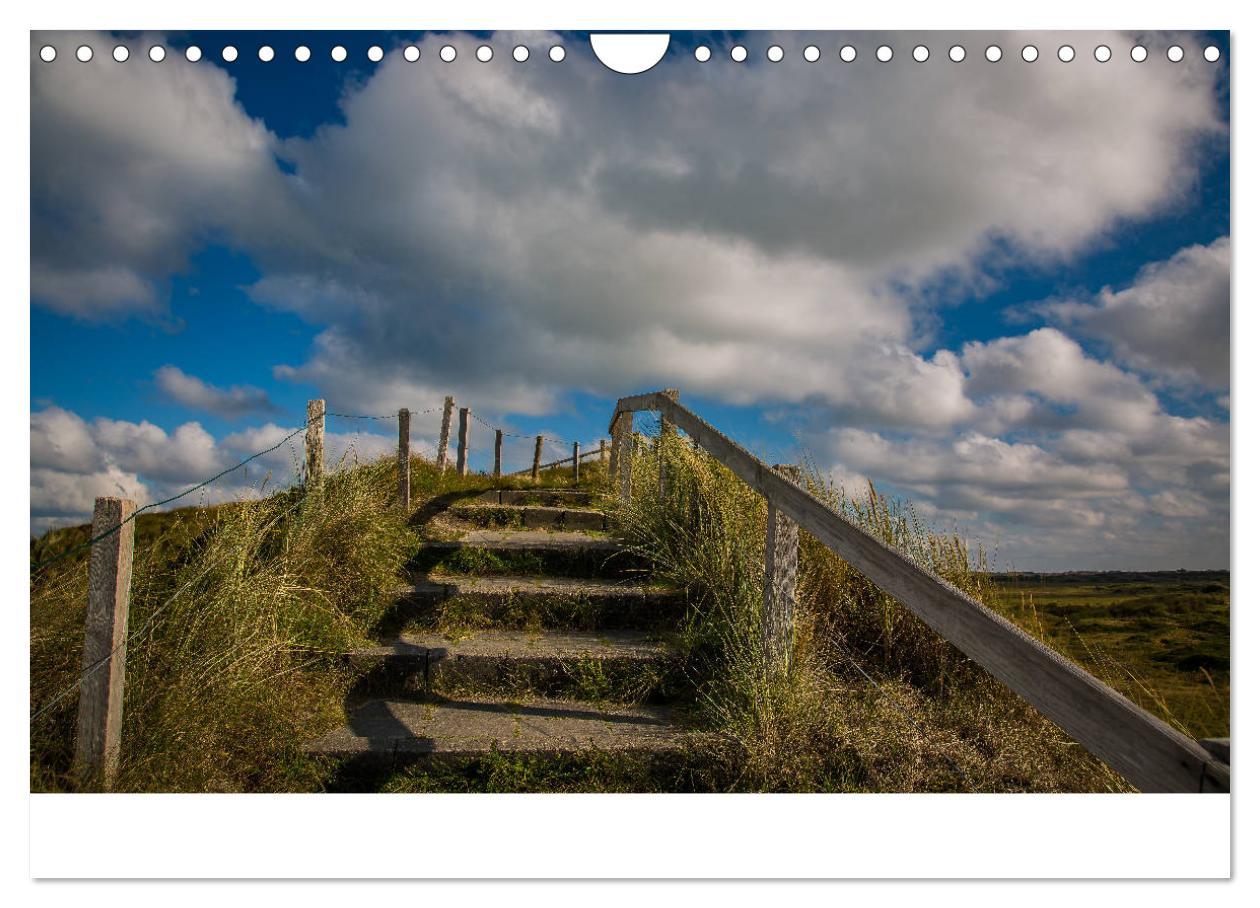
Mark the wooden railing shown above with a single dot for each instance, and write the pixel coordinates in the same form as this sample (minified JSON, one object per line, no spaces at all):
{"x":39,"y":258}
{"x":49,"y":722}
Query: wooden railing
{"x":1149,"y":753}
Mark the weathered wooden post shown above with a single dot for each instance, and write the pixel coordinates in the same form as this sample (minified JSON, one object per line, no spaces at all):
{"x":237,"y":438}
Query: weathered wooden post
{"x":461,"y":455}
{"x":444,"y":437}
{"x":623,"y":439}
{"x":314,"y":443}
{"x":577,"y":455}
{"x":603,"y":451}
{"x":538,"y":442}
{"x":779,"y":595}
{"x":662,"y":444}
{"x":498,"y":453}
{"x":99,"y":735}
{"x":404,"y":458}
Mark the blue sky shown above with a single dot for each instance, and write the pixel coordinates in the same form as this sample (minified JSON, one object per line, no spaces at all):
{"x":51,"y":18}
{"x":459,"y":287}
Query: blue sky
{"x":314,"y":229}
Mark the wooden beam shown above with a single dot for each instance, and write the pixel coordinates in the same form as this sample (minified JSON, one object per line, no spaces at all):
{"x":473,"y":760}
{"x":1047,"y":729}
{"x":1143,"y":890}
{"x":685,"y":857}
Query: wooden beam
{"x":444,"y":437}
{"x":461,"y":454}
{"x":99,"y":735}
{"x":538,"y":443}
{"x":498,"y":453}
{"x":577,"y":460}
{"x":404,"y":458}
{"x":314,"y":443}
{"x":778,"y":605}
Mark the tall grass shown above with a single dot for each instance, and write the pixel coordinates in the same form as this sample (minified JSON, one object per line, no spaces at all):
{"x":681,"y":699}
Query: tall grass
{"x":874,"y":699}
{"x":237,"y":616}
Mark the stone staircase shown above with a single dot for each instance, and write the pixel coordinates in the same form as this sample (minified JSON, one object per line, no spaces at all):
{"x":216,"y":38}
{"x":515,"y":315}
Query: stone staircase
{"x":527,"y":630}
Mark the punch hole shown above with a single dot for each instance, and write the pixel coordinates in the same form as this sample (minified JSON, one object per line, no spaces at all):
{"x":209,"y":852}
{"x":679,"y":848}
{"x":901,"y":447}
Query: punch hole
{"x":703,"y":54}
{"x":48,"y":53}
{"x":485,"y":53}
{"x":920,"y":53}
{"x":338,"y":54}
{"x":1102,"y":53}
{"x":376,"y":53}
{"x":520,"y":53}
{"x":266,"y":53}
{"x":739,"y":53}
{"x":192,"y":53}
{"x":302,"y":53}
{"x":1175,"y":54}
{"x":411,"y":53}
{"x":1138,"y":53}
{"x":993,"y":53}
{"x":83,"y":54}
{"x":556,"y":54}
{"x":1211,"y":53}
{"x":812,"y":54}
{"x":848,"y":53}
{"x":1030,"y":53}
{"x":229,"y":54}
{"x":883,"y":53}
{"x":157,"y":53}
{"x":958,"y":53}
{"x":629,"y":54}
{"x":774,"y":53}
{"x":121,"y":54}
{"x":1067,"y":53}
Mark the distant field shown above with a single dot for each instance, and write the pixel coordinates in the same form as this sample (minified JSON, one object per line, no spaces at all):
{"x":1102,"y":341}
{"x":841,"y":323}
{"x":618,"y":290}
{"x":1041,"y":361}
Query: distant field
{"x":1161,"y":638}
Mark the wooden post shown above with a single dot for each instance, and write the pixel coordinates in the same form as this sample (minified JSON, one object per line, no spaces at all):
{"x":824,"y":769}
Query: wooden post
{"x":498,"y":453}
{"x":314,"y":443}
{"x":603,"y":451}
{"x":779,"y":594}
{"x":461,"y":455}
{"x":444,"y":437}
{"x":662,"y":441}
{"x":623,"y":440}
{"x":577,"y":456}
{"x":105,"y":642}
{"x":537,"y":457}
{"x":404,"y":458}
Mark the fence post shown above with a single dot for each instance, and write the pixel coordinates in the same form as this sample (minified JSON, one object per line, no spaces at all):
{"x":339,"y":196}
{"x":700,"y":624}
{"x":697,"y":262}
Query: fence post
{"x":314,"y":443}
{"x":461,"y":455}
{"x":99,"y":735}
{"x":623,"y":439}
{"x":576,"y":457}
{"x":538,"y":442}
{"x":444,"y":437}
{"x":779,"y":595}
{"x":603,"y":451}
{"x":662,"y":441}
{"x":404,"y":458}
{"x":498,"y":453}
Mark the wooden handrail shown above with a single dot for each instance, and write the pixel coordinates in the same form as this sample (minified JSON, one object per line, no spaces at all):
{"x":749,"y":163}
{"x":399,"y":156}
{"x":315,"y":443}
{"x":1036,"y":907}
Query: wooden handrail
{"x":1146,"y":751}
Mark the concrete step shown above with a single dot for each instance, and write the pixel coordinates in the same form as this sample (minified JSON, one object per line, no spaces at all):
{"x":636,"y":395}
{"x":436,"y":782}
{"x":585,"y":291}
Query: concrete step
{"x":555,"y":498}
{"x":496,"y":552}
{"x":529,"y":516}
{"x":623,"y":665}
{"x":395,"y":732}
{"x":552,"y":602}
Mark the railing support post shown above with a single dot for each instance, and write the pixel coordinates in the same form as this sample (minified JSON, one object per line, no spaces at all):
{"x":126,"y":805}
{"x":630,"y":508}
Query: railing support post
{"x":603,"y":451}
{"x":779,"y":594}
{"x":576,"y":457}
{"x":461,"y":455}
{"x":498,"y":453}
{"x":314,"y":443}
{"x":99,"y":735}
{"x":662,"y":443}
{"x":404,"y":459}
{"x":623,"y":438}
{"x":444,"y":437}
{"x":538,"y":442}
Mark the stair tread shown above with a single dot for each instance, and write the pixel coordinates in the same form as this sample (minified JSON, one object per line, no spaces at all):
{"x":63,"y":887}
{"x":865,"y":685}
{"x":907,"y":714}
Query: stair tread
{"x":456,"y":585}
{"x":526,"y":539}
{"x":499,"y":644}
{"x":475,"y":727}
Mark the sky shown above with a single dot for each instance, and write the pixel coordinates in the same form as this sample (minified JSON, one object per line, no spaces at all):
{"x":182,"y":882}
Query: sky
{"x":997,"y":289}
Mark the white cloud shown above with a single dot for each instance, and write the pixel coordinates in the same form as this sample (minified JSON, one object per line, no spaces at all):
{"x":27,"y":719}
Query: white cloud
{"x":191,"y":391}
{"x":1172,"y":322}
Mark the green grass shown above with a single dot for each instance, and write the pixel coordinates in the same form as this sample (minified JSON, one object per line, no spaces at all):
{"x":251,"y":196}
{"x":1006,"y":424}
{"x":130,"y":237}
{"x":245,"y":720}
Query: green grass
{"x":1160,"y":638}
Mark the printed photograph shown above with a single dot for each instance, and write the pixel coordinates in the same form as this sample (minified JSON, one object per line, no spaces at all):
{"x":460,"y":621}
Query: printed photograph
{"x":497,"y":412}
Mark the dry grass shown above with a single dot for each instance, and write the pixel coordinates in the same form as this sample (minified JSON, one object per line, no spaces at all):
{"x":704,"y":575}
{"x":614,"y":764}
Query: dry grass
{"x":875,"y":700}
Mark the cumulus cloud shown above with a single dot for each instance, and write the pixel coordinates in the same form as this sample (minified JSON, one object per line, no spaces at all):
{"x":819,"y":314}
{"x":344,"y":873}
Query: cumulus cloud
{"x":1172,"y":322}
{"x":191,"y":391}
